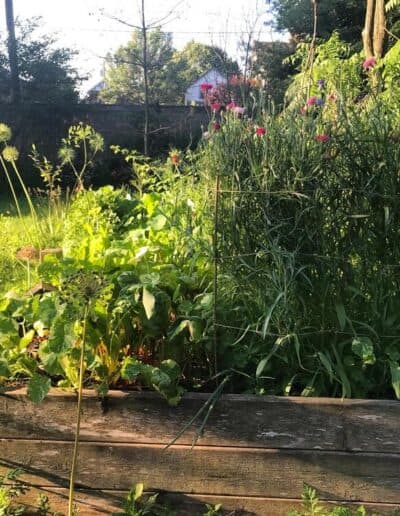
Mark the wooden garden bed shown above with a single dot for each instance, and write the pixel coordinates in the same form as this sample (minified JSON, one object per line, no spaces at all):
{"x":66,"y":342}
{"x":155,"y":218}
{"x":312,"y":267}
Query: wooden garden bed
{"x":255,"y":453}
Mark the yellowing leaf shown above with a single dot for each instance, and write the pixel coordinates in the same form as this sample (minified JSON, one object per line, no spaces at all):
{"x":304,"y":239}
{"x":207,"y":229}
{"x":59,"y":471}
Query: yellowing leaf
{"x":149,"y":303}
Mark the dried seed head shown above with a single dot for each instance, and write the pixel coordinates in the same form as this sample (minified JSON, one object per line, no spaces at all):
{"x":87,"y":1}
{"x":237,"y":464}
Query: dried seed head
{"x":5,"y":133}
{"x":10,"y":153}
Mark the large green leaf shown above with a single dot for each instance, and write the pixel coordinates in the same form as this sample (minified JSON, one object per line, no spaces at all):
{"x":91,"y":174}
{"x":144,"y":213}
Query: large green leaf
{"x":26,"y":340}
{"x":171,"y":368}
{"x":151,"y":201}
{"x":192,"y":327}
{"x":149,"y":303}
{"x":327,"y":363}
{"x":4,"y":370}
{"x":269,"y":314}
{"x":131,"y":369}
{"x":160,"y":378}
{"x":47,"y":311}
{"x":38,"y":387}
{"x":155,"y":313}
{"x":341,"y":315}
{"x":395,"y":372}
{"x":364,"y":348}
{"x":158,"y":222}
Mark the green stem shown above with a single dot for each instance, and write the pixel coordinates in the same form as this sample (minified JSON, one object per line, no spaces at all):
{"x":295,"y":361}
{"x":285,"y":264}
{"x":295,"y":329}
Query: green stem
{"x":215,"y":279}
{"x":29,"y":201}
{"x":11,"y":187}
{"x":78,"y":418}
{"x":14,"y":195}
{"x":26,"y":193}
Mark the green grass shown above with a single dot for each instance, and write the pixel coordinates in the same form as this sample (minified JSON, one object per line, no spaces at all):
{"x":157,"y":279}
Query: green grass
{"x":14,"y":274}
{"x":15,"y":233}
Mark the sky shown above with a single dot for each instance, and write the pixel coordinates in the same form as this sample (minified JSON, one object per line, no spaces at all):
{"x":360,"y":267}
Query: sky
{"x":87,"y":25}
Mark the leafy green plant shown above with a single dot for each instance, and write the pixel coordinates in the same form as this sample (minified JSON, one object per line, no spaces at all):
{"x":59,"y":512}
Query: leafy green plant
{"x":306,"y":256}
{"x":213,"y":510}
{"x":153,"y":249}
{"x":312,"y":506}
{"x":11,"y":489}
{"x":139,"y":504}
{"x":78,"y":152}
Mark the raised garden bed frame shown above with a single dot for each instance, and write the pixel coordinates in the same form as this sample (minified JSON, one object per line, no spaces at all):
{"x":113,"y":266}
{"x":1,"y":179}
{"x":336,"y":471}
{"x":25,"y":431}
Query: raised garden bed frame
{"x":254,"y":456}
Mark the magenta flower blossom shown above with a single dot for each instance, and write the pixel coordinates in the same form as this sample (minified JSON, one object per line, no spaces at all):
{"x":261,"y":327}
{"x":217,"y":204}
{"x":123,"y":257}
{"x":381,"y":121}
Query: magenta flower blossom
{"x":260,"y":131}
{"x":206,"y":86}
{"x":311,"y":101}
{"x":231,"y":105}
{"x":323,"y":138}
{"x":369,"y":63}
{"x":216,"y":126}
{"x":215,"y":106}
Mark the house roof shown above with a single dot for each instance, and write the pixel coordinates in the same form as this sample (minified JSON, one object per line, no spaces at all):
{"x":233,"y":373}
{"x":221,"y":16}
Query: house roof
{"x":215,"y":70}
{"x":99,"y":86}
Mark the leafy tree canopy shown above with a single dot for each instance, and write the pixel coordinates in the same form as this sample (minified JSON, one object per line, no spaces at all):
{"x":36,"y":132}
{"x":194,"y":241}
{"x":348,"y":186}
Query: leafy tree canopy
{"x":196,"y":58}
{"x":124,"y":76}
{"x":45,"y":70}
{"x":269,"y":63}
{"x":170,"y":71}
{"x":344,"y":16}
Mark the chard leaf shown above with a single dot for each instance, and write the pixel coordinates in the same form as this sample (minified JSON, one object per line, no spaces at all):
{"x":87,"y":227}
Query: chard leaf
{"x":38,"y":387}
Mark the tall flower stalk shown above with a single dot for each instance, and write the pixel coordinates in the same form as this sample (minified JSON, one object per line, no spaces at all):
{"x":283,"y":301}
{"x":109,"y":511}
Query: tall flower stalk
{"x":10,"y":155}
{"x":80,"y":292}
{"x":78,"y":417}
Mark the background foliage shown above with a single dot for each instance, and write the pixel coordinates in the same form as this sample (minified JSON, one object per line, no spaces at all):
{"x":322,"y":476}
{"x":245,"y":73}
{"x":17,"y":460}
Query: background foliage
{"x":46,"y":70}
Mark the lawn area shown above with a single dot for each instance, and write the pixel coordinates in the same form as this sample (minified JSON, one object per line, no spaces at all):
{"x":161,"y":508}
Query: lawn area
{"x":16,"y":233}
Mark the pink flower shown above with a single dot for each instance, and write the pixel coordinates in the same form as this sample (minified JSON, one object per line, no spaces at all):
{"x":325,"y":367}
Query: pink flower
{"x":216,"y":126}
{"x":311,"y":101}
{"x":323,"y":138}
{"x":206,"y":86}
{"x":260,"y":131}
{"x":215,"y":106}
{"x":239,"y":110}
{"x":235,"y":80}
{"x":231,"y":105}
{"x":304,"y":110}
{"x":369,"y":63}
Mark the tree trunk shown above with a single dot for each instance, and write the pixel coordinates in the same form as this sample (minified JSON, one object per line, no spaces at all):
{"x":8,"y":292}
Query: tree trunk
{"x":146,"y":86}
{"x":12,"y":53}
{"x":378,"y":40}
{"x":374,"y":33}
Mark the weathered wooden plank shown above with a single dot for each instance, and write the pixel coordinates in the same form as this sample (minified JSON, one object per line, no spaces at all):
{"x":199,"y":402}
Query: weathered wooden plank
{"x":270,"y":422}
{"x":212,"y":470}
{"x":95,"y":503}
{"x":371,"y":425}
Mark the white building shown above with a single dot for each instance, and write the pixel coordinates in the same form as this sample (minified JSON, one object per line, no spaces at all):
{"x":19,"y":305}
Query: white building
{"x":194,"y":94}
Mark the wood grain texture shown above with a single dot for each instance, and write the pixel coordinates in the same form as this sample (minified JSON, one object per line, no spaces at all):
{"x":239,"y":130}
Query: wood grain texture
{"x":255,"y":453}
{"x":209,"y":469}
{"x":269,"y":422}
